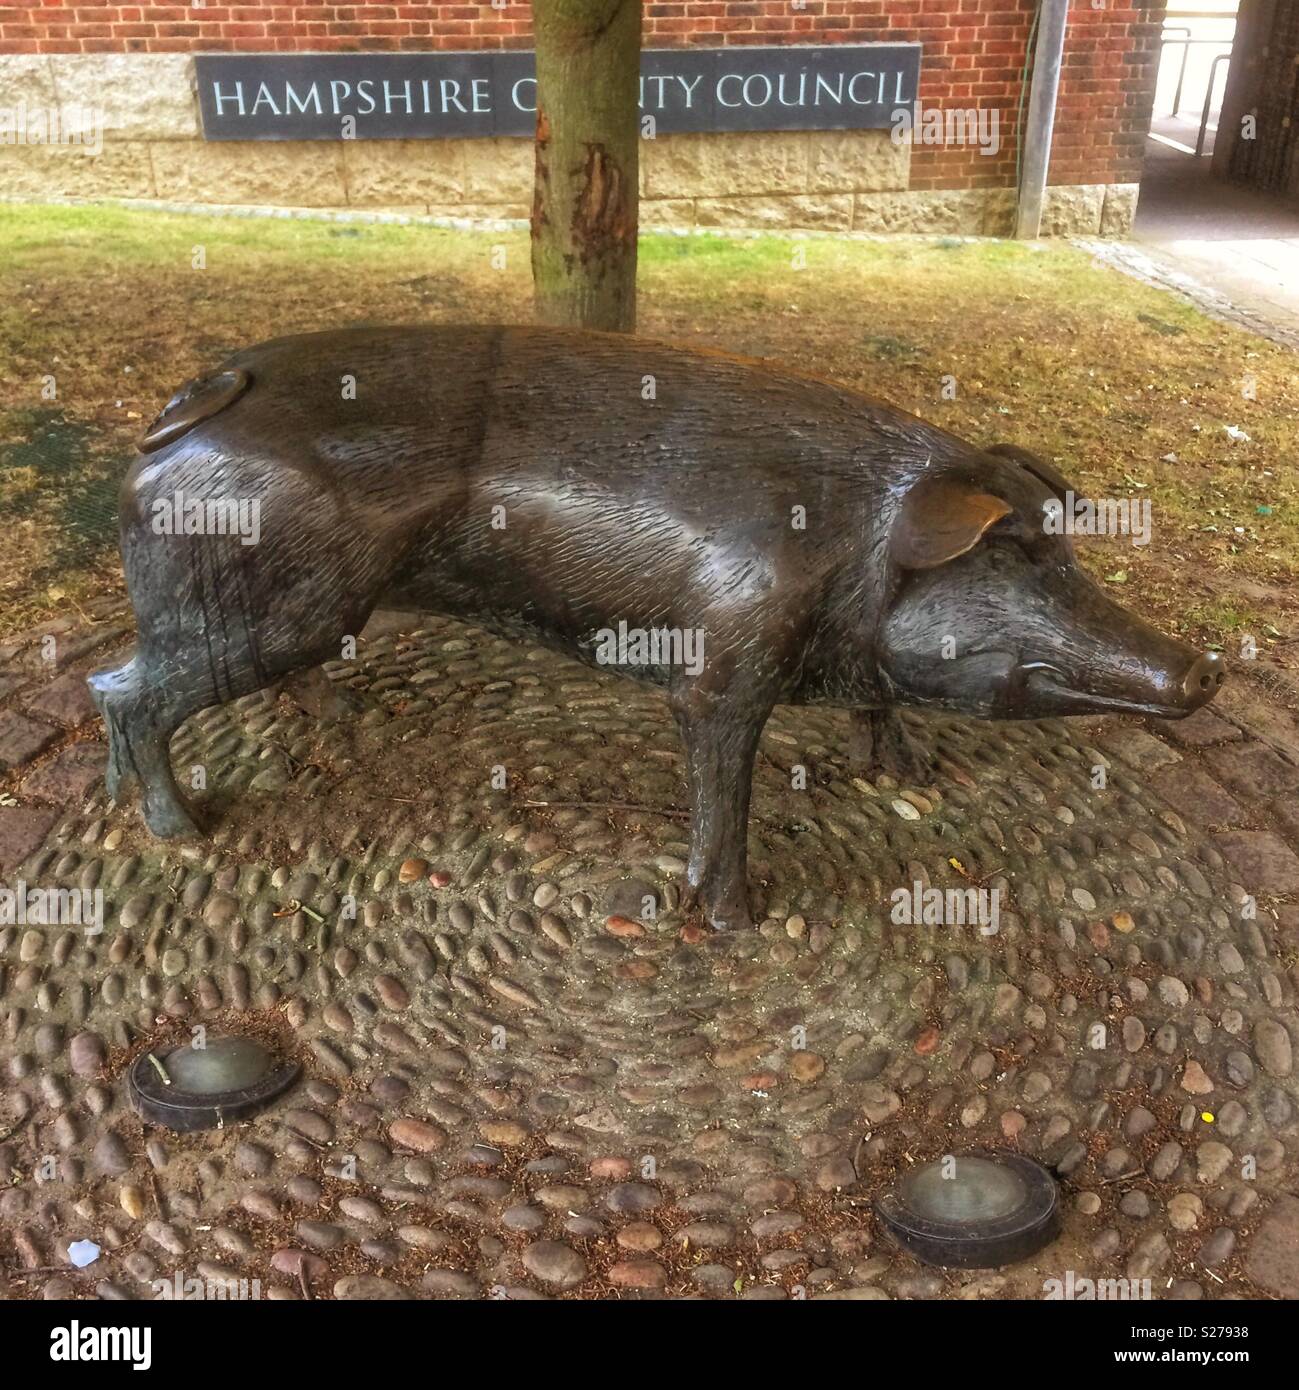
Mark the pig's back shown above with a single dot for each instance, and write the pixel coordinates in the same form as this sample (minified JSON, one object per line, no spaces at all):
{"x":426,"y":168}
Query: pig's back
{"x":535,"y":407}
{"x":555,"y":481}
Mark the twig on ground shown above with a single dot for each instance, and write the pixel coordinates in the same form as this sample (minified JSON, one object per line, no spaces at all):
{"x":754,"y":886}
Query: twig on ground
{"x":609,"y":806}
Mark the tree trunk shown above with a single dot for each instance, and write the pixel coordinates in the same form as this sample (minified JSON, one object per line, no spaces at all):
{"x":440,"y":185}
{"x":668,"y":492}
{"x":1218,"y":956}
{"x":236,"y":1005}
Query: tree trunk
{"x":584,"y":208}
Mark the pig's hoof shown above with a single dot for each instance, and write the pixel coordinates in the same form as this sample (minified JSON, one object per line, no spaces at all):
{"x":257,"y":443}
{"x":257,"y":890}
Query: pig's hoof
{"x":118,"y":781}
{"x":729,"y":912}
{"x":169,"y":820}
{"x":898,"y":754}
{"x":730,"y":919}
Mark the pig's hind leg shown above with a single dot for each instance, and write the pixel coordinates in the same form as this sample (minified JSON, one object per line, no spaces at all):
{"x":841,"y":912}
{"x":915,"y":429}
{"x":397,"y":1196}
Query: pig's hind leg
{"x":140,"y":718}
{"x":148,"y":698}
{"x":217,"y":622}
{"x":113,"y":692}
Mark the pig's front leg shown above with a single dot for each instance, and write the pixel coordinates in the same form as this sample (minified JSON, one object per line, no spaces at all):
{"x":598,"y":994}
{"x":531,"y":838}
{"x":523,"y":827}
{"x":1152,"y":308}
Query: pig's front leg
{"x":720,"y":731}
{"x":879,"y":742}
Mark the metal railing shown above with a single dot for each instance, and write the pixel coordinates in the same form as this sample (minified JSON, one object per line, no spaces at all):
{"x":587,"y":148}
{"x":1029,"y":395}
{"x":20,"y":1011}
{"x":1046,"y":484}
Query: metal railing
{"x":1208,"y":99}
{"x":1186,"y":53}
{"x":1181,"y":34}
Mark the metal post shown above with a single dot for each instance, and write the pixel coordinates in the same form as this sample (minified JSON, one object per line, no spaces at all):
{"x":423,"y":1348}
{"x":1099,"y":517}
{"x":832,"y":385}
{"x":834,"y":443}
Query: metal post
{"x":1208,"y":100}
{"x":1041,"y":116}
{"x":1186,"y":53}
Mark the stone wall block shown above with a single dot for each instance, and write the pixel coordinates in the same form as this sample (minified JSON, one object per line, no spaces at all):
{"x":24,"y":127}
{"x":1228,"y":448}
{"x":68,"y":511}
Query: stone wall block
{"x":857,"y":161}
{"x":388,"y":172}
{"x":828,"y":212}
{"x":144,"y":96}
{"x":45,"y":172}
{"x":951,"y":212}
{"x":1120,"y":209}
{"x":740,"y":165}
{"x":498,"y":170}
{"x":1073,"y":209}
{"x":481,"y":212}
{"x":302,"y":174}
{"x":667,"y":212}
{"x":26,"y":78}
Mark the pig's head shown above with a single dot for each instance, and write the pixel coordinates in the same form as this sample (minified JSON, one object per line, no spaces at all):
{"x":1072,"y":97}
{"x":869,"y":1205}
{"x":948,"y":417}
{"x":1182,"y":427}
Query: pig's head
{"x":992,"y":616}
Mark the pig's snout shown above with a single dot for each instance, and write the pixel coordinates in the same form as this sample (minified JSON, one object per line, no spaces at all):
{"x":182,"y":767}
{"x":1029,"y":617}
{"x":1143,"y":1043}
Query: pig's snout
{"x":1202,"y":682}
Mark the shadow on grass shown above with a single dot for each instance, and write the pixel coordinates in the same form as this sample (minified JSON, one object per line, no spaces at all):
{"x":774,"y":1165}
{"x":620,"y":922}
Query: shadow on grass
{"x":51,"y":475}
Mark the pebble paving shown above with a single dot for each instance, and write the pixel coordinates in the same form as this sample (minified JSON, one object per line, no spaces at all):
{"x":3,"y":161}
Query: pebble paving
{"x":526,"y":1075}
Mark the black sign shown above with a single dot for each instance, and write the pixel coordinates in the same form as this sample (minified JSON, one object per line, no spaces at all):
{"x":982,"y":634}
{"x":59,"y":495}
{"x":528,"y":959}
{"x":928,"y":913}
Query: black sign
{"x":395,"y":96}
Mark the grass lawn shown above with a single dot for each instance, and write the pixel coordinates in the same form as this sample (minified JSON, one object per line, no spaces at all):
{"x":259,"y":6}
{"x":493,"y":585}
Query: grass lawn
{"x":1129,"y":390}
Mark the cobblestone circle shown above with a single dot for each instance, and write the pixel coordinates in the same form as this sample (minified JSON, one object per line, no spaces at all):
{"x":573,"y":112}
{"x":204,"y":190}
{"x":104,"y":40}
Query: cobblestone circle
{"x":525,"y":1075}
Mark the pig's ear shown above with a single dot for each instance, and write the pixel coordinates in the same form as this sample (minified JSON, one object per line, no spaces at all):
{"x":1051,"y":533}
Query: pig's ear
{"x":1039,"y":468}
{"x":941,"y":519}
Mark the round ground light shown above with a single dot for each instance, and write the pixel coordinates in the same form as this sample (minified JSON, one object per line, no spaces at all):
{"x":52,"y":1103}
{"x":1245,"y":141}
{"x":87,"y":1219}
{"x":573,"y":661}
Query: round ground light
{"x":207,"y":1087}
{"x":975,"y":1211}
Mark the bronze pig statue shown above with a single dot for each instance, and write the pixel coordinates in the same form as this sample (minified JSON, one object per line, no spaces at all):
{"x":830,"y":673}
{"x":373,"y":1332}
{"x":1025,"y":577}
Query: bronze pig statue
{"x":738,"y":534}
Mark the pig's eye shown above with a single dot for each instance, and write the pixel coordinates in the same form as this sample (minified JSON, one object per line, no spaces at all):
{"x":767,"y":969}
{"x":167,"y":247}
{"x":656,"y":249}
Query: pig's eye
{"x":1000,"y":552}
{"x":1028,"y":541}
{"x":1012,"y":548}
{"x":1008,"y":533}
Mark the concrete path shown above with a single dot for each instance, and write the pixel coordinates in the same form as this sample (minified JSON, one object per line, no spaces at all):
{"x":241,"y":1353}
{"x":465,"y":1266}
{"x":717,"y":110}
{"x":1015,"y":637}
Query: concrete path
{"x":1239,"y":246}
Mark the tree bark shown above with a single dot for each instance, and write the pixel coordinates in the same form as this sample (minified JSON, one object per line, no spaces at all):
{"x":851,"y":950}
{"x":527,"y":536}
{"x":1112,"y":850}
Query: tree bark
{"x":584,"y":212}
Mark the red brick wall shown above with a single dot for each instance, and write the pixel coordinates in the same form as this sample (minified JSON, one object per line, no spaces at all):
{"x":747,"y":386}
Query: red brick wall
{"x":973,"y":53}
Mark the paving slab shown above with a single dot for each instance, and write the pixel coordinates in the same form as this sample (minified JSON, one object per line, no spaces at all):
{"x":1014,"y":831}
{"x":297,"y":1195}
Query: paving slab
{"x":1273,"y":1261}
{"x":65,"y":700}
{"x":68,"y":776}
{"x":1285,"y":812}
{"x":1252,"y":770}
{"x":22,"y":739}
{"x":22,"y":831}
{"x":1137,"y":748}
{"x":1265,"y":863}
{"x":1195,"y":794}
{"x":1199,"y":730}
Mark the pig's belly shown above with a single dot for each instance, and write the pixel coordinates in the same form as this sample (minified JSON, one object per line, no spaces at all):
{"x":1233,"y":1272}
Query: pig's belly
{"x":520,"y":628}
{"x":526,"y":608}
{"x":850,"y":684}
{"x":525,"y":632}
{"x":569,"y":577}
